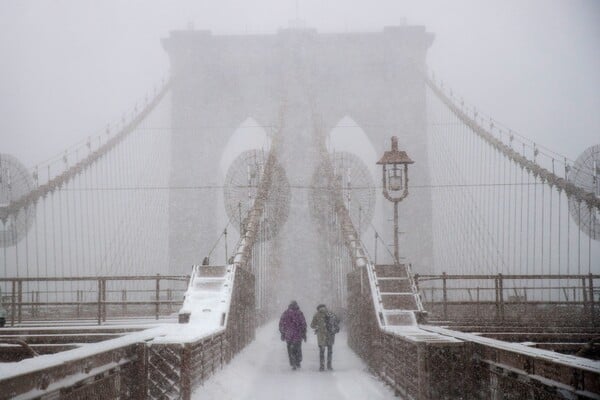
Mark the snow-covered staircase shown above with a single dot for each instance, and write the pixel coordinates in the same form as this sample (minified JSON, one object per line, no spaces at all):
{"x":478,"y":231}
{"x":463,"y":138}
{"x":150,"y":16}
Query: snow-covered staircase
{"x":209,"y":294}
{"x":396,"y":294}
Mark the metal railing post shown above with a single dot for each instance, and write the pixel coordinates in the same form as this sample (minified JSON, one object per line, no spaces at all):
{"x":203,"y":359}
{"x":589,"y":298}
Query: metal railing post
{"x":79,"y":300}
{"x":32,"y":304}
{"x":591,"y":296}
{"x":104,"y":300}
{"x":99,"y":301}
{"x":584,"y":294}
{"x":20,"y":301}
{"x":501,"y":293}
{"x":157,"y":295}
{"x":124,"y":300}
{"x":477,"y":306}
{"x":497,"y":300}
{"x":13,"y":301}
{"x":445,"y":294}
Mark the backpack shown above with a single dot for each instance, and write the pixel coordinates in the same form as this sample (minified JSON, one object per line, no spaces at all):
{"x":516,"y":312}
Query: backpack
{"x":332,"y":323}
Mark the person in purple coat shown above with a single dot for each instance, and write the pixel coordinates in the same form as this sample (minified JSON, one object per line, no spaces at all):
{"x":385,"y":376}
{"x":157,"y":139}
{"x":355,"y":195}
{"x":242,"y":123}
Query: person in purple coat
{"x":292,"y":327}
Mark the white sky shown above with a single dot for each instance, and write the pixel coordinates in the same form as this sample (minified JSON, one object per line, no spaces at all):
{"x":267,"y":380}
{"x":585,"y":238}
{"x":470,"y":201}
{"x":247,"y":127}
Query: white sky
{"x":67,"y":67}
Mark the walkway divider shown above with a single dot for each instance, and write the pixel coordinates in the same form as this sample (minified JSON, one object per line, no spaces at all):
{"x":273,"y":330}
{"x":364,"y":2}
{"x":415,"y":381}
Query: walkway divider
{"x":415,"y":363}
{"x":173,"y":362}
{"x":179,"y":362}
{"x":168,"y":361}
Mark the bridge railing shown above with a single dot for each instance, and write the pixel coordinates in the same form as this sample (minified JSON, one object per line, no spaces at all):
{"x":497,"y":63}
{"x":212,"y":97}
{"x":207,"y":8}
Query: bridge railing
{"x":414,"y":364}
{"x":569,"y":298}
{"x":167,"y":361}
{"x":113,"y":369}
{"x":91,"y":298}
{"x":176,"y":365}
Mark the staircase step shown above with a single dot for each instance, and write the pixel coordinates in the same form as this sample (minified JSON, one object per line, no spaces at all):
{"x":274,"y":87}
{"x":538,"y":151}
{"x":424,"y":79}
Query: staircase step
{"x":400,"y":318}
{"x":394,"y":285}
{"x":212,"y":271}
{"x":391,"y":271}
{"x":399,"y":301}
{"x":211,"y":286}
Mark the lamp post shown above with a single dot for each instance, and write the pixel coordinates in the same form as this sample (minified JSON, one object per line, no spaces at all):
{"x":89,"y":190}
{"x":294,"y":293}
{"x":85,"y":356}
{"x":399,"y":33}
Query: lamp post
{"x":395,"y":181}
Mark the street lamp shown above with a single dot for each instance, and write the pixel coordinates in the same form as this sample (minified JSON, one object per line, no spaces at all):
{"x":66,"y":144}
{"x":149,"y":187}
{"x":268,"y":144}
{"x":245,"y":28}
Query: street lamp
{"x":395,"y":181}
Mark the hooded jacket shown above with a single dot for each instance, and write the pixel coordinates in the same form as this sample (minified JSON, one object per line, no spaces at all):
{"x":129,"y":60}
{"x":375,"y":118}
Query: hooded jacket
{"x":292,"y":324}
{"x":319,"y":324}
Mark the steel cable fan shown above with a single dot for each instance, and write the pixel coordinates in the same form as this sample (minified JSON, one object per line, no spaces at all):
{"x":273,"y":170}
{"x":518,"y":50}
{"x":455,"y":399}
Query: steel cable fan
{"x":353,"y":178}
{"x":585,"y":174}
{"x":241,"y":186}
{"x":15,"y":182}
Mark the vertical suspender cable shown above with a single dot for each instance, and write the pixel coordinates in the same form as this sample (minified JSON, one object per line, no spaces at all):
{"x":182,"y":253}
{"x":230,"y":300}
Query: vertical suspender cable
{"x":95,"y":220}
{"x":503,"y":205}
{"x":521,"y":238}
{"x":128,"y":197}
{"x":80,"y":263}
{"x":73,"y":193}
{"x":54,"y":234}
{"x":527,"y":228}
{"x":44,"y":212}
{"x":85,"y":226}
{"x":37,"y":253}
{"x":112,"y":181}
{"x":127,"y":219}
{"x":86,"y":193}
{"x":14,"y":235}
{"x":65,"y":192}
{"x":481,"y":195}
{"x":591,"y":221}
{"x":61,"y":231}
{"x":568,"y":237}
{"x":550,"y":238}
{"x":579,"y":238}
{"x":109,"y":208}
{"x":559,"y":238}
{"x":498,"y":207}
{"x":121,"y":253}
{"x":542,"y":231}
{"x":26,"y":210}
{"x":515,"y":193}
{"x":534,"y":223}
{"x":508,"y":209}
{"x":102,"y":222}
{"x":4,"y":247}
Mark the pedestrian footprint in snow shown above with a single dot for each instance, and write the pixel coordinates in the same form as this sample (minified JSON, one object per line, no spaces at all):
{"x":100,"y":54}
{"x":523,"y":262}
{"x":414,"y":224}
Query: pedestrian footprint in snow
{"x":326,"y":324}
{"x":292,"y":327}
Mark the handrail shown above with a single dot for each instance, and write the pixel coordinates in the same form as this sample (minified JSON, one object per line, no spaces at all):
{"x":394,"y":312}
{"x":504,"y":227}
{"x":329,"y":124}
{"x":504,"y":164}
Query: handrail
{"x":551,"y":178}
{"x":251,"y":222}
{"x":430,"y":277}
{"x":41,"y":191}
{"x":19,"y":302}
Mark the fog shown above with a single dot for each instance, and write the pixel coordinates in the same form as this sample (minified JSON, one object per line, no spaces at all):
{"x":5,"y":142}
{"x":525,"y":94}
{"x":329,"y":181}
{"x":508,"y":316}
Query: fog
{"x":67,"y":68}
{"x":178,"y":184}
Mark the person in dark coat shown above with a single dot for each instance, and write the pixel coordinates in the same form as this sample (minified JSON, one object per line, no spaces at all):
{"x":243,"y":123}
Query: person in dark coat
{"x":326,"y":325}
{"x":292,"y":327}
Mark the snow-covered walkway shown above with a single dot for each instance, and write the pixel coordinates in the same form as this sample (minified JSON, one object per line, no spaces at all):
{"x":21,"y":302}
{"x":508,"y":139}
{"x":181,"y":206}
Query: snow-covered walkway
{"x":261,"y":371}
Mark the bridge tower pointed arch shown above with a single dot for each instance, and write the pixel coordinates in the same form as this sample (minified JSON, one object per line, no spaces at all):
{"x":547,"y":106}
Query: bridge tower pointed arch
{"x":377,"y":78}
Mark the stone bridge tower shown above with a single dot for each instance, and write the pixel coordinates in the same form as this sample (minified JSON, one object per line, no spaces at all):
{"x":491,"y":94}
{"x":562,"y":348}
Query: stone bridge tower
{"x":220,"y":80}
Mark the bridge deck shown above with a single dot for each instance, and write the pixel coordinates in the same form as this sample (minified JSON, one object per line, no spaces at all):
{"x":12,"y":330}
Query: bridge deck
{"x":262,"y":371}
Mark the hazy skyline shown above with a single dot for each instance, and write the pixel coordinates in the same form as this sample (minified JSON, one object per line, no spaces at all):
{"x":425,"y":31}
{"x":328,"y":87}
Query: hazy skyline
{"x":70,"y":67}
